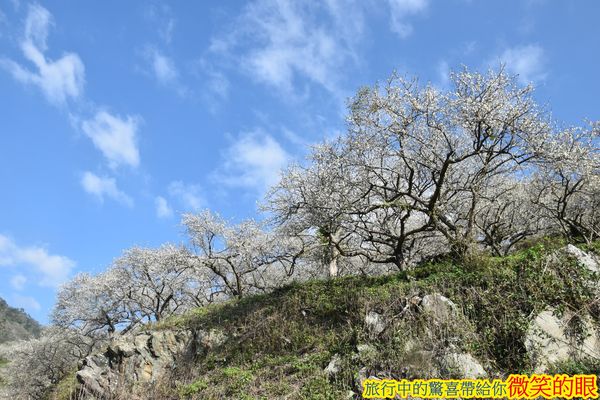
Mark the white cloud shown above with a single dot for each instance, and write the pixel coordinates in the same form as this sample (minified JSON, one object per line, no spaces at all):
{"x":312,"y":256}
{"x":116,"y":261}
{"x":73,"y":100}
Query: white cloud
{"x":189,"y":195}
{"x":294,"y":138}
{"x":102,"y":186}
{"x":37,"y":25}
{"x":18,"y":282}
{"x":254,"y":160}
{"x":527,"y":61}
{"x":276,"y":42}
{"x":443,"y":72}
{"x":163,"y":209}
{"x":163,"y":67}
{"x":59,"y":80}
{"x":26,"y":302}
{"x":218,"y":84}
{"x":114,"y":137}
{"x":161,"y":16}
{"x":400,"y":10}
{"x":53,"y":269}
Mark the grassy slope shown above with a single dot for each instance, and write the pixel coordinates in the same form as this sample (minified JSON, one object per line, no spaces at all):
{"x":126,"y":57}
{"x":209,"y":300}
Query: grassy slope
{"x":281,"y":342}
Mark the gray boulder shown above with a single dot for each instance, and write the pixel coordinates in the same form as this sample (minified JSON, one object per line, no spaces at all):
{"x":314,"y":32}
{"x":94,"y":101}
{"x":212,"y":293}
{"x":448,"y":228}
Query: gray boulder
{"x":334,"y":367}
{"x":547,"y":340}
{"x":587,"y":260}
{"x":375,"y":323}
{"x":464,"y":365}
{"x":439,"y":307}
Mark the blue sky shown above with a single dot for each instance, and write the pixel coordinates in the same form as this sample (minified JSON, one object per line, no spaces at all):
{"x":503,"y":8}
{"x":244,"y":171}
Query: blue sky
{"x":117,"y":116}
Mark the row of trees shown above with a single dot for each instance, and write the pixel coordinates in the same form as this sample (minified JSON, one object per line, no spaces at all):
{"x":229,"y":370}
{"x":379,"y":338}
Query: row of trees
{"x":419,"y":173}
{"x":146,"y":285}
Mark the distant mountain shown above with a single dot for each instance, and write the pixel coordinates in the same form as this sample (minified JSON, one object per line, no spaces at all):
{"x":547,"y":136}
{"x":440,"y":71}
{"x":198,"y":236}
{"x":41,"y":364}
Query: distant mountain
{"x":16,"y":324}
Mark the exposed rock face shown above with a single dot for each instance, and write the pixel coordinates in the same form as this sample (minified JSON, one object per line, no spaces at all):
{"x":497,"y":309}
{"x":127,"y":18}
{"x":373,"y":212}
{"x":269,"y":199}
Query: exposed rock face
{"x":375,"y":323}
{"x":334,"y":367}
{"x":548,"y":342}
{"x":439,"y":307}
{"x":130,"y":359}
{"x":587,"y":260}
{"x":464,"y":365}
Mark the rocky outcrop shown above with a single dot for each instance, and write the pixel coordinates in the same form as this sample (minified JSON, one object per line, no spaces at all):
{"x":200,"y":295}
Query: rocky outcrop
{"x":464,"y":365}
{"x":131,"y":359}
{"x":555,"y":337}
{"x":588,"y":260}
{"x":142,"y":358}
{"x":548,"y":339}
{"x":375,"y":323}
{"x":439,"y":307}
{"x":423,"y":355}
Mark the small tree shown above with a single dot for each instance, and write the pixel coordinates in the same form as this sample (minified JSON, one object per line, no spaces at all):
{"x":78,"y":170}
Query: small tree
{"x":94,"y":305}
{"x":157,"y":280}
{"x":36,"y":365}
{"x":568,"y":180}
{"x":240,"y":259}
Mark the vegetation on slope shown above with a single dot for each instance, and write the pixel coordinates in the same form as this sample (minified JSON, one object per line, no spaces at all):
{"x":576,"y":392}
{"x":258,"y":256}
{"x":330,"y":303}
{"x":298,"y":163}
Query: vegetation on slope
{"x":16,"y":324}
{"x":280,"y":343}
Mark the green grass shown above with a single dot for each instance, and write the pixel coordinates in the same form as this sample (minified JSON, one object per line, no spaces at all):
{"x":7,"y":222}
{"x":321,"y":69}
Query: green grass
{"x":279,"y":344}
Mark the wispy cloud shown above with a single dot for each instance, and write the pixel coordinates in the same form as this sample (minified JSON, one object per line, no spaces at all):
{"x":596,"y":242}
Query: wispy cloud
{"x":163,"y":209}
{"x":254,"y":160}
{"x":163,"y":69}
{"x":161,"y":16}
{"x":115,"y":137}
{"x":18,"y":282}
{"x":104,"y":187}
{"x":26,"y":302}
{"x":400,"y":11}
{"x":188,"y":195}
{"x":276,"y":42}
{"x":527,"y":61}
{"x":59,"y":80}
{"x":291,"y":45}
{"x":217,"y":83}
{"x":443,"y":72}
{"x":52,"y":269}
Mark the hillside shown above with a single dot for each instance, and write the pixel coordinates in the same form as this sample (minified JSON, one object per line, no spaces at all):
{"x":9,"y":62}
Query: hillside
{"x":16,"y":324}
{"x":320,"y":339}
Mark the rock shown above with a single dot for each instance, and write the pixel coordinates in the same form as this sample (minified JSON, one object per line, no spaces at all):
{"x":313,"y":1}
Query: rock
{"x":211,"y":339}
{"x":130,"y":360}
{"x":375,"y":323}
{"x":547,"y":341}
{"x":439,"y":307}
{"x":362,"y":376}
{"x":587,"y":260}
{"x":93,"y":379}
{"x":334,"y":367}
{"x":465,"y":365}
{"x":365,"y":349}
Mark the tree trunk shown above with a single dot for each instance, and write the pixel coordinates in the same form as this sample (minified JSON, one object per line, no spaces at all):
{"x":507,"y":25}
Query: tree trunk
{"x":333,"y":266}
